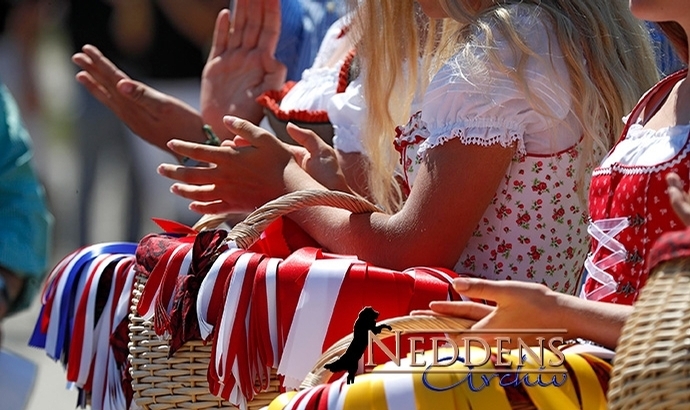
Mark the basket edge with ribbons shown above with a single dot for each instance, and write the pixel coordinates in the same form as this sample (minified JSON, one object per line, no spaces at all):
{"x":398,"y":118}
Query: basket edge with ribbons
{"x":180,"y":381}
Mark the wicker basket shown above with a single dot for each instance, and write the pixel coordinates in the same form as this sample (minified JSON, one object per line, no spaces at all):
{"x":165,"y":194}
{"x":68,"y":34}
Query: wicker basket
{"x":180,"y":382}
{"x":652,"y":365}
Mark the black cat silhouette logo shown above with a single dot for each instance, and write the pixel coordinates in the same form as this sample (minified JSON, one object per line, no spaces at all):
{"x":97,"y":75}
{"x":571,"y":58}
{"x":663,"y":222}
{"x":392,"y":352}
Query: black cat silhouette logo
{"x":366,"y":321}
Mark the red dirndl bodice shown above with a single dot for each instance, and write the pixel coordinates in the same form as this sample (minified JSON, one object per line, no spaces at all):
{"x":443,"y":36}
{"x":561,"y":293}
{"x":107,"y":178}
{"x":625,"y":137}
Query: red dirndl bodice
{"x":629,"y":206}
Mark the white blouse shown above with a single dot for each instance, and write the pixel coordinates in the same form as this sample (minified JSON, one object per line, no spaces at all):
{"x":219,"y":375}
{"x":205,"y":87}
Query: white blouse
{"x":490,"y":107}
{"x":535,"y":226}
{"x":316,"y":91}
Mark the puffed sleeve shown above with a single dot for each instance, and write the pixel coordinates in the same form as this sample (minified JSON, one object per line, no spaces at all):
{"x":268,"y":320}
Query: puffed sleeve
{"x":26,"y":222}
{"x":489,"y":106}
{"x":347,"y":112}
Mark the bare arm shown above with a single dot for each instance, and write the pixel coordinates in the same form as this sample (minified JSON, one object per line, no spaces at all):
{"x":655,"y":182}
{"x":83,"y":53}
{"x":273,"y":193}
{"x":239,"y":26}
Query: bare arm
{"x":152,"y":115}
{"x":524,"y":305}
{"x":451,"y":193}
{"x":241,"y":64}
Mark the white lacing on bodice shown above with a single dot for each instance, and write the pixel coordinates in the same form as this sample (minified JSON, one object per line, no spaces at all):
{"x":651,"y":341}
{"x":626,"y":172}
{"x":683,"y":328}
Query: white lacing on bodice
{"x":604,"y":232}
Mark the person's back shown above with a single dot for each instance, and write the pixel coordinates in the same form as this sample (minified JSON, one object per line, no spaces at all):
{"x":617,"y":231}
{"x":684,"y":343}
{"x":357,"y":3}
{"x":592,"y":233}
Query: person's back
{"x":25,"y":232}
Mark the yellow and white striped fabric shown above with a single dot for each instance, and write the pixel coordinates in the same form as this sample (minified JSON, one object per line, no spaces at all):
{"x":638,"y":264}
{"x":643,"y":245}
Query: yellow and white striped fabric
{"x":578,"y":383}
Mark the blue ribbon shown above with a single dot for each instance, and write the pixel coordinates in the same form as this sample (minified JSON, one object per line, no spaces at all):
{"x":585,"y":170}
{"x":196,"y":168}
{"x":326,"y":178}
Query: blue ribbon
{"x":38,"y":338}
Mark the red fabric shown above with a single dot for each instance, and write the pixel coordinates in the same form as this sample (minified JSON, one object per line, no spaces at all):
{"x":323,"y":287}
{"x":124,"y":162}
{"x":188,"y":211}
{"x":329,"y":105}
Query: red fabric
{"x":669,"y":246}
{"x":184,"y":325}
{"x":292,"y":273}
{"x":281,"y":238}
{"x":638,"y":193}
{"x":74,"y":356}
{"x":271,"y":101}
{"x":152,"y":248}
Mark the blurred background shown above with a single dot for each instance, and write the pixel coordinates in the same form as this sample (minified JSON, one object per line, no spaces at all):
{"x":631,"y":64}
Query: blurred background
{"x":100,"y":181}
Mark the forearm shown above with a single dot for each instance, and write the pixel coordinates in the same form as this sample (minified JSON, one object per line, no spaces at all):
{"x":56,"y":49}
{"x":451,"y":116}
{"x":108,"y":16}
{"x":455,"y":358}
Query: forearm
{"x":599,"y":322}
{"x":380,"y":239}
{"x":374,"y":237}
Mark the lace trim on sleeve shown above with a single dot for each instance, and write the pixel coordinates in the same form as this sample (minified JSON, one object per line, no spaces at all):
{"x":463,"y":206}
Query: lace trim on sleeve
{"x":477,"y":134}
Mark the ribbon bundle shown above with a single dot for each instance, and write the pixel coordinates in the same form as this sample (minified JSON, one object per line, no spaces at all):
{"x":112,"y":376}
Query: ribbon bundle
{"x":276,"y":306}
{"x":83,"y":322}
{"x":262,"y":312}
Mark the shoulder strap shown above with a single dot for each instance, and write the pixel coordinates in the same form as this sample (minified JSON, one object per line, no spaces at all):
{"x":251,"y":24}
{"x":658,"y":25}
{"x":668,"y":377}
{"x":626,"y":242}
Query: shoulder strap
{"x":653,"y":98}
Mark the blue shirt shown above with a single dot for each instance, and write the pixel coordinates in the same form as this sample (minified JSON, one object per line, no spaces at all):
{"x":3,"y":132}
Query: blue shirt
{"x":25,"y":222}
{"x":303,"y":25}
{"x":667,"y":61}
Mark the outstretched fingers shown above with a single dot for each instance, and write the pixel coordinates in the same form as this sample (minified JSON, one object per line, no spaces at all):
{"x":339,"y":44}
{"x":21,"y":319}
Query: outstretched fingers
{"x":270,"y":30}
{"x":95,"y":88}
{"x":200,"y":152}
{"x":99,"y":66}
{"x":221,"y":33}
{"x":239,"y":23}
{"x":252,"y":134}
{"x":467,"y":310}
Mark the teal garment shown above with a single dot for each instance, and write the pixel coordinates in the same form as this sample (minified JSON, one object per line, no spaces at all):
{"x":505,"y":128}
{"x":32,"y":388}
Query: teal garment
{"x":25,"y":222}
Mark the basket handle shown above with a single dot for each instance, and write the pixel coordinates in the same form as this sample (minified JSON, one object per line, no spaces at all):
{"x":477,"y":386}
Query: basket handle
{"x":248,"y":231}
{"x":319,"y":374}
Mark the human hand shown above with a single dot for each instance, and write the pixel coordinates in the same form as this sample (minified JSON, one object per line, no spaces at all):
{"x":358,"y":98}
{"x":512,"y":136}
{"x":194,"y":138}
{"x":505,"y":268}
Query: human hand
{"x":241,"y":64}
{"x":317,"y":158}
{"x":244,"y":173}
{"x":679,"y":197}
{"x":154,"y":116}
{"x":519,"y":305}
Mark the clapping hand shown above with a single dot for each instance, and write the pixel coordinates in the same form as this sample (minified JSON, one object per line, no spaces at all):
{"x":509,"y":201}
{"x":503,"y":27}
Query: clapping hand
{"x":154,"y":116}
{"x":679,"y":197}
{"x":241,"y":64}
{"x":244,"y":173}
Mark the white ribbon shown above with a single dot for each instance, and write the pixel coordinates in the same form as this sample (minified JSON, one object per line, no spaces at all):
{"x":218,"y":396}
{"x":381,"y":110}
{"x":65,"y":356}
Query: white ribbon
{"x":304,"y":343}
{"x":206,"y":291}
{"x":228,"y":318}
{"x":604,"y":232}
{"x":271,"y":277}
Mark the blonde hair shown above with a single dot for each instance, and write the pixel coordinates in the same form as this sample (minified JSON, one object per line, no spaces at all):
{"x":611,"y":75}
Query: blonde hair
{"x":608,"y":55}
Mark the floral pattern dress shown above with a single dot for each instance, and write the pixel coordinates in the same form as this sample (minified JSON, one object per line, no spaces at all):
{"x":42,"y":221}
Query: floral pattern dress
{"x":535,"y":228}
{"x":629,"y":205}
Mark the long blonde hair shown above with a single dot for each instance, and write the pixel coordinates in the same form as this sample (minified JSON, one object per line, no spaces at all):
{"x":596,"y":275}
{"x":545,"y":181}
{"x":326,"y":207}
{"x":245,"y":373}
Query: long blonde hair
{"x":608,"y":55}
